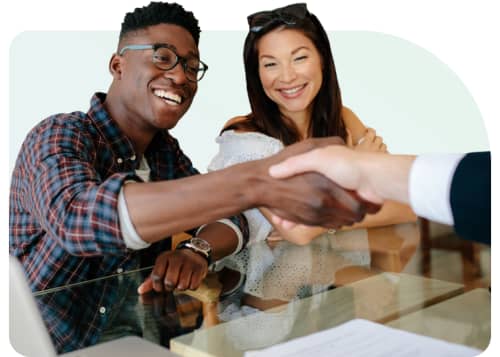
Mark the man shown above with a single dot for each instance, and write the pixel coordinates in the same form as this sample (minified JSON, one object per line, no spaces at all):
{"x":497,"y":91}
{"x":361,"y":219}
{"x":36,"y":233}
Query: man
{"x":79,"y":209}
{"x":453,"y":189}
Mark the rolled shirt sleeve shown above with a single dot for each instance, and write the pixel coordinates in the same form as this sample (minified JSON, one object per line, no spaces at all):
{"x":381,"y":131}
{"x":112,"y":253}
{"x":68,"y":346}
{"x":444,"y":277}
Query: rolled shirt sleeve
{"x":130,"y":236}
{"x":70,"y":200}
{"x":235,"y":228}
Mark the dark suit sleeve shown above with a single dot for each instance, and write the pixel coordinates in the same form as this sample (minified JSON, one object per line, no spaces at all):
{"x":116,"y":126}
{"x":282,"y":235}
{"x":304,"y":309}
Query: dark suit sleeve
{"x":470,"y":197}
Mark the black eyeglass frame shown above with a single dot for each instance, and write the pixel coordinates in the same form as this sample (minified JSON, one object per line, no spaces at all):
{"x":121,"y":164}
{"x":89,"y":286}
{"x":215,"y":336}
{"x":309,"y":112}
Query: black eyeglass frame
{"x":287,"y":15}
{"x":178,"y":59}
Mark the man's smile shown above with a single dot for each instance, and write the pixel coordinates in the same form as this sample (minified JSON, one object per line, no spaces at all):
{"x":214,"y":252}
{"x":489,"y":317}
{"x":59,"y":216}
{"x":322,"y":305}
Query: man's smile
{"x":169,"y":97}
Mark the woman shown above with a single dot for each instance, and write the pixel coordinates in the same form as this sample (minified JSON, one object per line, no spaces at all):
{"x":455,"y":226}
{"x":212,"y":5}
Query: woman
{"x":294,"y":94}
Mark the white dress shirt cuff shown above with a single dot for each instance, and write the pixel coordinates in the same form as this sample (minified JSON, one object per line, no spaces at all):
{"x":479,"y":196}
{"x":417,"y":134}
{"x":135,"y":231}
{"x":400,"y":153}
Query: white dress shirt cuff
{"x":130,"y":237}
{"x":430,"y":184}
{"x":236,"y":230}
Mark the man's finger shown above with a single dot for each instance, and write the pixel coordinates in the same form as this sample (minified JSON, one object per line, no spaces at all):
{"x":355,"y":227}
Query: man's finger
{"x":156,"y":282}
{"x":146,"y":286}
{"x":161,"y":264}
{"x":369,"y":196}
{"x":185,"y":276}
{"x":196,"y":279}
{"x":293,"y":165}
{"x":371,"y":207}
{"x":172,"y":275}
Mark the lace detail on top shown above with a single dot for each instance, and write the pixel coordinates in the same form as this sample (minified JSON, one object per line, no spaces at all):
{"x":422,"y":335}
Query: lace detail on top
{"x":288,"y":272}
{"x":235,"y":148}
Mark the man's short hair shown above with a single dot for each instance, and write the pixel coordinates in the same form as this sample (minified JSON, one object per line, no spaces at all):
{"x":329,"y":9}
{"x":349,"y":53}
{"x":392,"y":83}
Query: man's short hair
{"x":160,"y":13}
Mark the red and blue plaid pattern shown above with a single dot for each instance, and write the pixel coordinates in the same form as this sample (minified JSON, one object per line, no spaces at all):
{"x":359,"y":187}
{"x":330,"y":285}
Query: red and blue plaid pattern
{"x":64,"y":225}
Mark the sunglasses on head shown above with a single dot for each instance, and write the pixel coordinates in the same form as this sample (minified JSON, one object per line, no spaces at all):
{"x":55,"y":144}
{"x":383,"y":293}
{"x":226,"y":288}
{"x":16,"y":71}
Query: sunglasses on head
{"x":288,"y":15}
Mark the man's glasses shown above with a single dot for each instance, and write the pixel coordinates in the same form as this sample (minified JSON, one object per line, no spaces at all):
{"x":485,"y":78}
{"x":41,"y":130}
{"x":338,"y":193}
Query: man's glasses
{"x":165,"y":58}
{"x":288,"y":15}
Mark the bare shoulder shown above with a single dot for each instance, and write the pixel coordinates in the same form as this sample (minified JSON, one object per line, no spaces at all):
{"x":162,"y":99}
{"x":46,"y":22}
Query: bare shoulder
{"x":237,"y":120}
{"x":350,"y":118}
{"x":353,"y":123}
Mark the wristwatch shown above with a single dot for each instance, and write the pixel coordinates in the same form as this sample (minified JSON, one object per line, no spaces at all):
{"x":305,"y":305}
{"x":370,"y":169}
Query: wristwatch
{"x":199,"y":246}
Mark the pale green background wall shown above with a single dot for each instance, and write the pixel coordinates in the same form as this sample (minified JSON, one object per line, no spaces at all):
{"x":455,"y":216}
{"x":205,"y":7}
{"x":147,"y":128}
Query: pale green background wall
{"x":411,"y":98}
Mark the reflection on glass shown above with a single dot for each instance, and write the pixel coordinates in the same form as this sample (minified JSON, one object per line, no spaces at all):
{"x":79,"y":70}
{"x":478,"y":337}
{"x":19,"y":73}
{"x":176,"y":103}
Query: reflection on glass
{"x":268,"y":293}
{"x":272,"y":275}
{"x":109,"y":308}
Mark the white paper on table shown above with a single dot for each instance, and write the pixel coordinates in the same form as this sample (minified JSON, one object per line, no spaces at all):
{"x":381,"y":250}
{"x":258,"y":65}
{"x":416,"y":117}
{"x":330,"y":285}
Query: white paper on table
{"x":360,"y":338}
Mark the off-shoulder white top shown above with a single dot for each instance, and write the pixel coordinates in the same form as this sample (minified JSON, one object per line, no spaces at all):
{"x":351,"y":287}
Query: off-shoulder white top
{"x":238,"y":147}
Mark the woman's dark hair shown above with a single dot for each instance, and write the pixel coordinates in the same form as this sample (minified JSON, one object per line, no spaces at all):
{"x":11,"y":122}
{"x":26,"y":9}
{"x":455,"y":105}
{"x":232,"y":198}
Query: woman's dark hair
{"x":265,"y":117}
{"x":160,"y":13}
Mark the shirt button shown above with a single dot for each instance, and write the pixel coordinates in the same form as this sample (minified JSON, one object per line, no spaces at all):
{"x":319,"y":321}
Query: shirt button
{"x":102,"y":310}
{"x":119,"y":160}
{"x":133,"y":158}
{"x":119,"y":270}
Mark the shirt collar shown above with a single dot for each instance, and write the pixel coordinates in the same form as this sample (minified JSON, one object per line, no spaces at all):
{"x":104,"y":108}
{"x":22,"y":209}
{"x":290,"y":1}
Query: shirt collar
{"x":109,"y":129}
{"x":121,"y":145}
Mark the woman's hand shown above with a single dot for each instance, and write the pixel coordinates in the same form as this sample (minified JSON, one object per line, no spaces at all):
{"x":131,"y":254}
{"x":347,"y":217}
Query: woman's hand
{"x":369,"y":142}
{"x":274,"y":236}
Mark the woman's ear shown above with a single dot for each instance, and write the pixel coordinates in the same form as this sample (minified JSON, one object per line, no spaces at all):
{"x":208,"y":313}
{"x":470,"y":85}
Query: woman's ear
{"x":115,"y":66}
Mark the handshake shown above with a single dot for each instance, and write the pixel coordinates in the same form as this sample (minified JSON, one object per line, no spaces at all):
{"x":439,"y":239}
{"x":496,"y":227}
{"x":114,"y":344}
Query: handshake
{"x":318,"y":182}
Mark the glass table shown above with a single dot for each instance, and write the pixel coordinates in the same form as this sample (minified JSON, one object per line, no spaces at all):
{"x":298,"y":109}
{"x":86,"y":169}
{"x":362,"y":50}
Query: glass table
{"x":276,"y":291}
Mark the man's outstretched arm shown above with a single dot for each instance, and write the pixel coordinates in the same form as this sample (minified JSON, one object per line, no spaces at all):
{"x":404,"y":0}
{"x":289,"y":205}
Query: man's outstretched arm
{"x":376,"y":177}
{"x":158,"y":209}
{"x":453,"y":189}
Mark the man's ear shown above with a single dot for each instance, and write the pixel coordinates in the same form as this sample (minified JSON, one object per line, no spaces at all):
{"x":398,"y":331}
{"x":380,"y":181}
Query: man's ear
{"x":115,"y":66}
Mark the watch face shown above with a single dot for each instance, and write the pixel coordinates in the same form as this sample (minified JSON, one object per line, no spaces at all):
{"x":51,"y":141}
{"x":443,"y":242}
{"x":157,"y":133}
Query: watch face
{"x":200,"y":244}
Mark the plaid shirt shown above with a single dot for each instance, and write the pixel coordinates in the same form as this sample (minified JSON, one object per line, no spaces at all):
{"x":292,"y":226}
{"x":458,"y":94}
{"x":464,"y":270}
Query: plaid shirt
{"x":79,"y":316}
{"x":64,"y":224}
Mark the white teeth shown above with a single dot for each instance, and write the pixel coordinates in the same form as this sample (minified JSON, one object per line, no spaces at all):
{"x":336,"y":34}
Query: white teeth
{"x":292,"y":90}
{"x":168,"y":96}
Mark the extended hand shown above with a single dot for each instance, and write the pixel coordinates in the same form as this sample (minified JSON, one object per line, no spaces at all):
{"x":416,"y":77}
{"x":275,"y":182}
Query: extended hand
{"x":339,"y":164}
{"x":310,"y":197}
{"x":177,"y":269}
